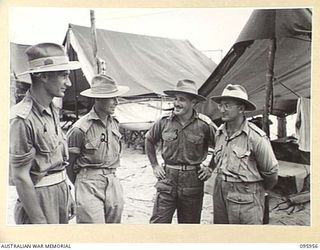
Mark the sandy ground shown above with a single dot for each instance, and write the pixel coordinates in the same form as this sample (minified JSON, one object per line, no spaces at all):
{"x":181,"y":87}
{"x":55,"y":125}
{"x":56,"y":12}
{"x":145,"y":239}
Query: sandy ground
{"x":138,"y":182}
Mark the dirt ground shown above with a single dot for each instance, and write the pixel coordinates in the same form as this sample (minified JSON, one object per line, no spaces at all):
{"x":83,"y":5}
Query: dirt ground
{"x":138,"y":182}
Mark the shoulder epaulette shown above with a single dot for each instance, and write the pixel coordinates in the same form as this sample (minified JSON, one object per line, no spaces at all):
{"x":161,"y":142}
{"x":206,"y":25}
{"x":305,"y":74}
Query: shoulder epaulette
{"x":115,"y":119}
{"x":83,"y":123}
{"x":204,"y":118}
{"x":21,"y":109}
{"x":207,"y":120}
{"x":256,"y":129}
{"x":164,"y":116}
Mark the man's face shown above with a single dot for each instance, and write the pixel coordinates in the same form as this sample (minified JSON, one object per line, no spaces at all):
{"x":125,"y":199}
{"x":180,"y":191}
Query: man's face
{"x":106,"y":106}
{"x":183,"y":104}
{"x":230,"y":109}
{"x":57,"y":82}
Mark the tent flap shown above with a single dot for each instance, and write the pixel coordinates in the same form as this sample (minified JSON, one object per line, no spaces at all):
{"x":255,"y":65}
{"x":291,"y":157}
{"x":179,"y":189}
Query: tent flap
{"x":246,"y":62}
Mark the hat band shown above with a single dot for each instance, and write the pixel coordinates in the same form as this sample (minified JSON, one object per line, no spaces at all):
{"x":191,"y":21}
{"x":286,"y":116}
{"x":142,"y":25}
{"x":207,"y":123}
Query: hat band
{"x":235,"y":93}
{"x":189,"y":90}
{"x":104,"y":89}
{"x":46,"y":61}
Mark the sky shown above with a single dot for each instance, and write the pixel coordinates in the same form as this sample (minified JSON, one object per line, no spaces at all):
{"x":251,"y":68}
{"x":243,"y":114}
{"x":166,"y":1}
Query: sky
{"x":211,"y":30}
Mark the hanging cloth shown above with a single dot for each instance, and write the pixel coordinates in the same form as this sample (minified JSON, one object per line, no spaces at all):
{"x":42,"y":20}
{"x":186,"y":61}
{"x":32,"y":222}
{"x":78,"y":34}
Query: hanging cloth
{"x":303,"y":124}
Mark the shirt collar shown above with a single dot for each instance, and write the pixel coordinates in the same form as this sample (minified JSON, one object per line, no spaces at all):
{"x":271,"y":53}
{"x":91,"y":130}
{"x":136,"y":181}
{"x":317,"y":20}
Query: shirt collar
{"x":41,"y":109}
{"x":195,"y":115}
{"x":94,"y":116}
{"x":243,"y":128}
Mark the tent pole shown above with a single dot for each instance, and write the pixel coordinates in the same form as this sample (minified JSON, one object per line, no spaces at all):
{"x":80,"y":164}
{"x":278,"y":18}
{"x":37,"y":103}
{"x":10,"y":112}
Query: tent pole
{"x":282,"y":126}
{"x":94,"y":39}
{"x":72,"y":57}
{"x":269,"y":86}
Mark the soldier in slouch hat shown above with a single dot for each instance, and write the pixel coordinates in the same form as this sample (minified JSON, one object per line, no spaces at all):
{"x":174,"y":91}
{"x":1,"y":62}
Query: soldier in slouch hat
{"x":185,"y":137}
{"x":38,"y":149}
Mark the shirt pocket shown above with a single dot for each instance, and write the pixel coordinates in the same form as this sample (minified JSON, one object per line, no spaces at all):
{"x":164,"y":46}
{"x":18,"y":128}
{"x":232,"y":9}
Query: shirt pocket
{"x":92,"y":145}
{"x":170,"y":136}
{"x":239,"y":159}
{"x":47,"y":143}
{"x":95,"y":149}
{"x":195,"y":139}
{"x":49,"y":153}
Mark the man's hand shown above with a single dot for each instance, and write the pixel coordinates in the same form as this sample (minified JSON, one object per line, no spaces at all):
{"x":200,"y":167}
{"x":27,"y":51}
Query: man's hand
{"x":71,"y":208}
{"x":159,"y":172}
{"x":204,"y":172}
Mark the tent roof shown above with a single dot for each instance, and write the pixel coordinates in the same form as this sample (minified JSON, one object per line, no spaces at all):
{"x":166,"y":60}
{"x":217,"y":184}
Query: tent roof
{"x":246,"y":62}
{"x":144,"y":63}
{"x":19,"y":61}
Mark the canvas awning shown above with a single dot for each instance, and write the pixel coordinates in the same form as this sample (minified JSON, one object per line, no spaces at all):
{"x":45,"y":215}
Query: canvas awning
{"x":246,"y":62}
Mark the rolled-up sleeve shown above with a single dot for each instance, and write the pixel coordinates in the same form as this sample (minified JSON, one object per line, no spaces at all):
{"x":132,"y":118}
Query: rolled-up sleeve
{"x":267,"y":162}
{"x":154,"y":134}
{"x":75,"y":140}
{"x":21,"y":149}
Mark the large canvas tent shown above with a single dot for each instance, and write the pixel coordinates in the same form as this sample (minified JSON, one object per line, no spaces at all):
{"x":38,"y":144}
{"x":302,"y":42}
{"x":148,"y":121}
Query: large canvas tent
{"x":246,"y":62}
{"x":148,"y":65}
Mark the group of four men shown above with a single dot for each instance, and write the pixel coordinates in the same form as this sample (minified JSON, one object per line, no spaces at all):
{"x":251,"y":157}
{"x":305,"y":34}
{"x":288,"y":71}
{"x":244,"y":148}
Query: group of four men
{"x":42,"y":159}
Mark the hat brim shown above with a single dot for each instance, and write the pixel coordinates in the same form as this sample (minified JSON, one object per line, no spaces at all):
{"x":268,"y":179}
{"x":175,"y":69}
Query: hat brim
{"x":48,"y":68}
{"x":121,"y":91}
{"x":249,"y":106}
{"x":173,"y":92}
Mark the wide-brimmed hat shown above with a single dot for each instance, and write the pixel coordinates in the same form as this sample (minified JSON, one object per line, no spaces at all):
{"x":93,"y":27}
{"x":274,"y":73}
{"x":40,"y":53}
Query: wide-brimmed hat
{"x":237,"y":92}
{"x":188,"y":87}
{"x":46,"y":57}
{"x":103,"y":86}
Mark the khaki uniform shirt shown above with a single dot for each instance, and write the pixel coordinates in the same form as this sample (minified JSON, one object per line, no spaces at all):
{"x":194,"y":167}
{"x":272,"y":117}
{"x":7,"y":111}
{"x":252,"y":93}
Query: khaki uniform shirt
{"x":36,"y":137}
{"x":97,"y":143}
{"x":246,"y":155}
{"x":186,"y":145}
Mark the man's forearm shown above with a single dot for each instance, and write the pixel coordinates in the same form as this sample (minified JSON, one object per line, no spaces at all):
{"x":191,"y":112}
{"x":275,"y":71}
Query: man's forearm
{"x":28,"y":197}
{"x":151,"y":152}
{"x":70,"y":168}
{"x":212,"y":164}
{"x":269,"y":181}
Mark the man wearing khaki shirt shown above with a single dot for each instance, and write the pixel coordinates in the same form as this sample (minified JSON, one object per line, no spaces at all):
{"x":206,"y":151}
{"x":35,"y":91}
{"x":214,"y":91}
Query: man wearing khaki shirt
{"x":184,"y":137}
{"x":38,"y":149}
{"x":95,"y":146}
{"x":245,"y":162}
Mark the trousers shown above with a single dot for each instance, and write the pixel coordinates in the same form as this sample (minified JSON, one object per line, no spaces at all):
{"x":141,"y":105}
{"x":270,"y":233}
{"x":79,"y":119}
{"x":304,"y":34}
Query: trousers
{"x":182,"y":191}
{"x":54,"y":201}
{"x":238,"y":202}
{"x":99,"y":196}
